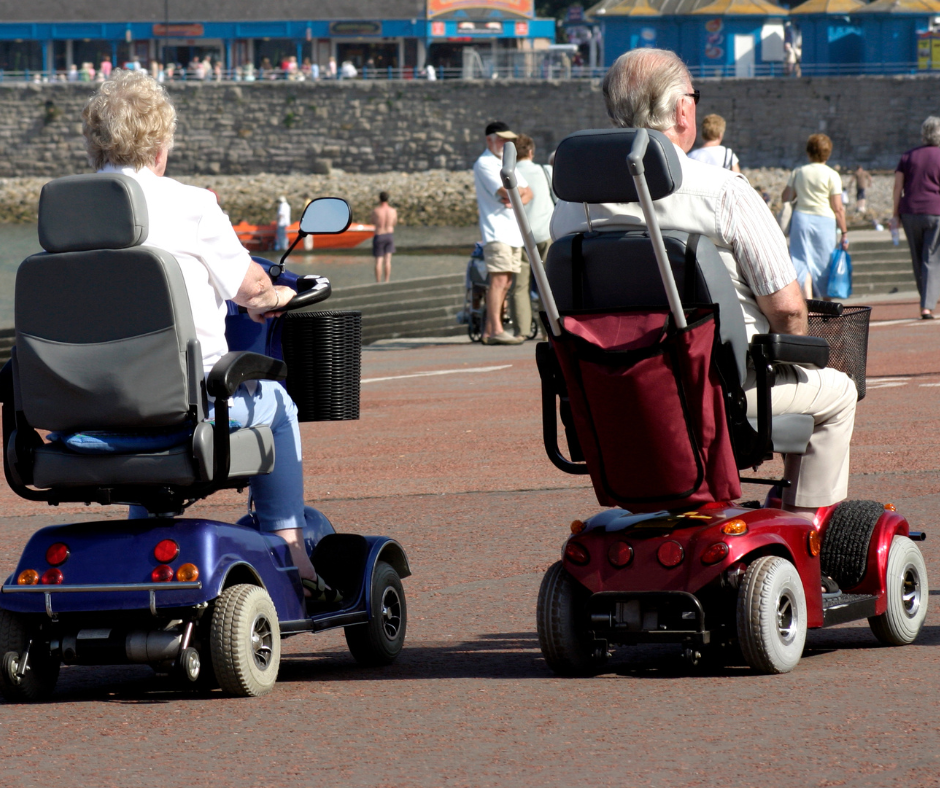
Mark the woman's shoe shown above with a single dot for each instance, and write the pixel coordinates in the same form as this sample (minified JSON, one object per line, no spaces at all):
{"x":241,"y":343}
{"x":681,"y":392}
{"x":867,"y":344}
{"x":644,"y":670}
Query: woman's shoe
{"x":927,"y":316}
{"x":320,"y":591}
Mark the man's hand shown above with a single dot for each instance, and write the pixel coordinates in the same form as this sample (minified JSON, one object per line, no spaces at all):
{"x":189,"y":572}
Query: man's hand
{"x":785,"y":310}
{"x":524,"y":192}
{"x":259,"y":296}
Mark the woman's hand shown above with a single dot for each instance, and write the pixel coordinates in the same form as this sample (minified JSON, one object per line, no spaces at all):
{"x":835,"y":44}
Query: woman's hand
{"x":844,"y":244}
{"x":283,"y":295}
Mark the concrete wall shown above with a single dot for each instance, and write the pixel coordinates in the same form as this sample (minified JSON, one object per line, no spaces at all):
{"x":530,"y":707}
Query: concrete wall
{"x":410,"y":126}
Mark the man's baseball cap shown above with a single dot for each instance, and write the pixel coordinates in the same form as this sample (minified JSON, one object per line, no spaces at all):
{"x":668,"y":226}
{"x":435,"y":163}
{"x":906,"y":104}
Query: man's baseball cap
{"x":500,"y":129}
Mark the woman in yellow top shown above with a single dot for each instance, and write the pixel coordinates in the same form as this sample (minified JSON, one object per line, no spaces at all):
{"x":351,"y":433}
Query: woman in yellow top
{"x":818,"y":191}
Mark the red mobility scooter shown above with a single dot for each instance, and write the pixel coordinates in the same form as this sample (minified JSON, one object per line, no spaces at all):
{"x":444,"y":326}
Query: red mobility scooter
{"x":645,"y":366}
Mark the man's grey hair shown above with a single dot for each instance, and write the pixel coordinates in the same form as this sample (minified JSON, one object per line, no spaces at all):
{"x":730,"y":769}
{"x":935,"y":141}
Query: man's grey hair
{"x":930,"y":131}
{"x":643,"y":87}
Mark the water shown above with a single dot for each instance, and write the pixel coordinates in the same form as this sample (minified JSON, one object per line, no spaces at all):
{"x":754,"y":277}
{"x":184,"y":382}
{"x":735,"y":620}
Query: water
{"x":424,"y":251}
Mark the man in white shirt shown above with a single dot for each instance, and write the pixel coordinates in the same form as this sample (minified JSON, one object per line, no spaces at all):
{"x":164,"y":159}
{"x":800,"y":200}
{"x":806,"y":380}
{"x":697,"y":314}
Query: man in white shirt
{"x":187,"y":222}
{"x":502,"y":240}
{"x":283,"y":222}
{"x":652,"y":88}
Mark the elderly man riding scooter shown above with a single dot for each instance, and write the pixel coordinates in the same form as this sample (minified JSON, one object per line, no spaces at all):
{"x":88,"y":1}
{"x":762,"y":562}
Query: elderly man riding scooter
{"x":128,"y":126}
{"x":652,"y":88}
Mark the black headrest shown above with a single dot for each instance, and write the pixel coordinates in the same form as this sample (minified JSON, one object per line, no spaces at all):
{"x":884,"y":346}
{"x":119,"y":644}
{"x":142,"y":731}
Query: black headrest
{"x":591,"y":166}
{"x":102,"y":211}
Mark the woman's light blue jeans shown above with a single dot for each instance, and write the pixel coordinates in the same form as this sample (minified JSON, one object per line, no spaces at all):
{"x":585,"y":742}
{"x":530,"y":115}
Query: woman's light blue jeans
{"x":278,"y":496}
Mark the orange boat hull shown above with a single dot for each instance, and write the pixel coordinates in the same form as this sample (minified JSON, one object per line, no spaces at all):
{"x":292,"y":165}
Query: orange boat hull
{"x":260,"y":238}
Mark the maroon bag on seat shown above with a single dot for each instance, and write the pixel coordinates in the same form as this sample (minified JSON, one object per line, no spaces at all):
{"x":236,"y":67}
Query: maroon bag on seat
{"x":648,"y":407}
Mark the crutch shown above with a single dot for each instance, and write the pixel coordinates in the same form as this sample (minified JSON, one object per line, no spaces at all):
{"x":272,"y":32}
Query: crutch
{"x":637,"y":170}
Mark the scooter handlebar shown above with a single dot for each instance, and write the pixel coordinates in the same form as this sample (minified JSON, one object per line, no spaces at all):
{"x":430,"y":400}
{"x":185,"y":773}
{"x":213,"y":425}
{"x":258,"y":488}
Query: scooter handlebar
{"x":508,"y":172}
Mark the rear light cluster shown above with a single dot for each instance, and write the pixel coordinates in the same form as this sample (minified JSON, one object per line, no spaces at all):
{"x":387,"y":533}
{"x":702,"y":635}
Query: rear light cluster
{"x":57,"y":554}
{"x":166,"y":551}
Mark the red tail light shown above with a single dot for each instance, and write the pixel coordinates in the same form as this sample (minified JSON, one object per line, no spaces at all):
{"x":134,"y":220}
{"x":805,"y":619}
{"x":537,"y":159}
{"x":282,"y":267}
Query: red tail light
{"x":162,"y":574}
{"x":51,"y":577}
{"x":577,"y":553}
{"x":166,"y":551}
{"x":670,"y":554}
{"x":717,"y":552}
{"x":57,"y":554}
{"x":619,"y":554}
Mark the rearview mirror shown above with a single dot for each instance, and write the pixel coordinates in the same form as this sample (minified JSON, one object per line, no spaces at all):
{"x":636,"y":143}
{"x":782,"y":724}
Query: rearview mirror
{"x":325,"y":216}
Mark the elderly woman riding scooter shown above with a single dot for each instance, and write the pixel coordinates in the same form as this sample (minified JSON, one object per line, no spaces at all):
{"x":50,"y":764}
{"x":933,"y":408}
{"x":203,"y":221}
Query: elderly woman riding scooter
{"x":129,"y":125}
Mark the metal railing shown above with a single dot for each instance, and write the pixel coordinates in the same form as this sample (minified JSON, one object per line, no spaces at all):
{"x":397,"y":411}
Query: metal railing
{"x":507,"y":71}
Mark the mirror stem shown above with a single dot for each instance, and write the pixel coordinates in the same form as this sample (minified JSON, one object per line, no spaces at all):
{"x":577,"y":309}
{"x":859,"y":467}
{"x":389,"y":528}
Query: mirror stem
{"x":300,"y":234}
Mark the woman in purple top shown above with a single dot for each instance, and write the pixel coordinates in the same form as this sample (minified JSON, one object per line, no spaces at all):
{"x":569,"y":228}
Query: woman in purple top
{"x":917,"y":206}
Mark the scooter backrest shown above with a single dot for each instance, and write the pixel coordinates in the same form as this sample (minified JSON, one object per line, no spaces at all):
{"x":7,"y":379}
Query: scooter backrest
{"x":105,"y":337}
{"x":591,"y":166}
{"x":102,"y":211}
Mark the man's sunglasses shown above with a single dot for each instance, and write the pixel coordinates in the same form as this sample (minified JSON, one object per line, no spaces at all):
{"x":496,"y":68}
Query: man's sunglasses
{"x":694,"y":95}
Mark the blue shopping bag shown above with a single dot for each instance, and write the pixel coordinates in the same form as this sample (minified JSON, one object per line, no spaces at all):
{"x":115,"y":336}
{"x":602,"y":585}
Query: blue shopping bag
{"x":840,"y":275}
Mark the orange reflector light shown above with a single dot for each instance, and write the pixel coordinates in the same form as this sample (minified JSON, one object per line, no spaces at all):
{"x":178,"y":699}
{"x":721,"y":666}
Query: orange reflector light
{"x":670,"y":554}
{"x":28,"y":577}
{"x":814,"y":543}
{"x":57,"y":554}
{"x":51,"y":577}
{"x":577,"y":553}
{"x":162,"y":574}
{"x":715,"y":553}
{"x":619,"y":554}
{"x":166,"y":551}
{"x":890,"y":507}
{"x":734,"y":528}
{"x":187,"y":573}
{"x":577,"y":526}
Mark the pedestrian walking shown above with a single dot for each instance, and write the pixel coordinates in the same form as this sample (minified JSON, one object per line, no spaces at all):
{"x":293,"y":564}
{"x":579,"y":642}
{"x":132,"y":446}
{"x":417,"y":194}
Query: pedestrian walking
{"x":539,"y":212}
{"x":819,"y":209}
{"x":862,"y":185}
{"x":712,"y":151}
{"x":502,"y":240}
{"x":917,"y":207}
{"x":283,"y":222}
{"x":384,"y":217}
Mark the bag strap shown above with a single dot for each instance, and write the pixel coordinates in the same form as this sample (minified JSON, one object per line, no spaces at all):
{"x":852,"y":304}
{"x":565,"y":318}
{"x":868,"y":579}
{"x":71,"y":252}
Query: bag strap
{"x":729,"y":158}
{"x":551,"y":191}
{"x":691,"y":268}
{"x":577,"y":271}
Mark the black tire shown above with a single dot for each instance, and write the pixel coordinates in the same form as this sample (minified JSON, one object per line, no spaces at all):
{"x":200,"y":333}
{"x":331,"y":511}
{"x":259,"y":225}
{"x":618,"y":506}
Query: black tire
{"x":42,"y":670}
{"x":380,"y":641}
{"x":245,"y":641}
{"x":566,"y":643}
{"x":907,"y":594}
{"x":844,"y":555}
{"x":771,"y":615}
{"x":534,"y":329}
{"x":475,"y":328}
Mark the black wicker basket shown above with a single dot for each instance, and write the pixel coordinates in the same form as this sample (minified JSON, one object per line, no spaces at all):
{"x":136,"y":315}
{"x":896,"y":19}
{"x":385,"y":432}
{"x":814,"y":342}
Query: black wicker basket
{"x":323,"y":351}
{"x":848,"y":341}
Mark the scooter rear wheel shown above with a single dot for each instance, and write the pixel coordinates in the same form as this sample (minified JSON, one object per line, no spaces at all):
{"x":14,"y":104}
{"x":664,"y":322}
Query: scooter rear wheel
{"x":42,"y":670}
{"x":380,"y":641}
{"x":245,"y":641}
{"x":566,"y":644}
{"x":907,"y":594}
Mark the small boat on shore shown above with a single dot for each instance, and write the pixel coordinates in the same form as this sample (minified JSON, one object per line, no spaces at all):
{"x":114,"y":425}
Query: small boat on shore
{"x":260,"y":237}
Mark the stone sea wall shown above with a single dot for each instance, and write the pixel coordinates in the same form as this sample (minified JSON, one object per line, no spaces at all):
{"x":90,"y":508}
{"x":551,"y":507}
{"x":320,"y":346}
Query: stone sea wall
{"x":436,"y":198}
{"x":409,"y":126}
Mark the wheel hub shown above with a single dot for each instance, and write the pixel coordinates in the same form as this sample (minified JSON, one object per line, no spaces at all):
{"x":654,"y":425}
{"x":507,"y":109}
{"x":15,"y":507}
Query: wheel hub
{"x":787,"y":619}
{"x":262,"y":641}
{"x":910,"y":591}
{"x":391,"y":613}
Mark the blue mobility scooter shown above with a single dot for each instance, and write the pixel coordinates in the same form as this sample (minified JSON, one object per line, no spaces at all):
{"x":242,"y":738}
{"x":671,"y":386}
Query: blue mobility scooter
{"x":106,"y":353}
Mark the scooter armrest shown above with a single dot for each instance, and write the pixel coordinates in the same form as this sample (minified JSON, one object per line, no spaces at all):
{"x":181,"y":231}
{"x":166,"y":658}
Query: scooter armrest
{"x":234,"y":368}
{"x":793,"y":349}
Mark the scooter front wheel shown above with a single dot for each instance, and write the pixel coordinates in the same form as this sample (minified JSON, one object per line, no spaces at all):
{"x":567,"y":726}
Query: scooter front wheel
{"x":245,"y":641}
{"x":42,"y":670}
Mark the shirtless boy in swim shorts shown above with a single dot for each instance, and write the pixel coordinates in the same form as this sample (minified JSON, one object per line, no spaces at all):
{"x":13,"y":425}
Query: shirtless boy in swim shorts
{"x":384,"y":217}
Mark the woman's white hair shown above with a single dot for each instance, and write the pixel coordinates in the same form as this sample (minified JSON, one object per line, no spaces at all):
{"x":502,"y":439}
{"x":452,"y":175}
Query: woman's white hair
{"x":128,"y":121}
{"x":642,"y":88}
{"x":930,"y":131}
